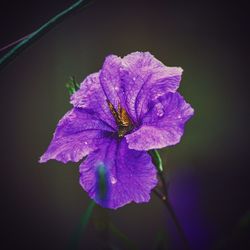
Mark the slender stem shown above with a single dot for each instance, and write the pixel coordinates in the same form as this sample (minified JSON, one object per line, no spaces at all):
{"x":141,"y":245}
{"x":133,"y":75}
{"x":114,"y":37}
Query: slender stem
{"x":120,"y":235}
{"x":13,"y":43}
{"x":101,"y":219}
{"x":164,"y":184}
{"x":76,"y":236}
{"x":159,"y":194}
{"x":177,"y":224}
{"x":9,"y":56}
{"x":164,"y":198}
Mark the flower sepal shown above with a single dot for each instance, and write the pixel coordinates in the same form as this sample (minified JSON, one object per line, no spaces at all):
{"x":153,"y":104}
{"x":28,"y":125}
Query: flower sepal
{"x":156,"y":159}
{"x":72,"y":85}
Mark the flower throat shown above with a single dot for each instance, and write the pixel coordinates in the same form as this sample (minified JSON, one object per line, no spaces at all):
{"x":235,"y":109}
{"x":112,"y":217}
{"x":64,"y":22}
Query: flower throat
{"x":122,"y":119}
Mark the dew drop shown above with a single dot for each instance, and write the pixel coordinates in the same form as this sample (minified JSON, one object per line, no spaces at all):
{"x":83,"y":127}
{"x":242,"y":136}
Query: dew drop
{"x":159,"y":110}
{"x":85,"y":143}
{"x":160,"y":113}
{"x":113,"y":180}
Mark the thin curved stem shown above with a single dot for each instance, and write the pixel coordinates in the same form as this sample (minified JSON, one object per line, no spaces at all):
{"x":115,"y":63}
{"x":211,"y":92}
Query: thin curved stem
{"x":9,"y":56}
{"x":85,"y":218}
{"x":164,"y":197}
{"x":177,"y":224}
{"x":13,"y":43}
{"x":120,"y":235}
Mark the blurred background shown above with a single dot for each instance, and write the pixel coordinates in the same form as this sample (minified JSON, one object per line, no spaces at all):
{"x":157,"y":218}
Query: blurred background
{"x":209,"y":175}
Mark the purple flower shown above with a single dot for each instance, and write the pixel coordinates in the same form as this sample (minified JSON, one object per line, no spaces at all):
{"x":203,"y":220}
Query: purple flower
{"x":128,"y":107}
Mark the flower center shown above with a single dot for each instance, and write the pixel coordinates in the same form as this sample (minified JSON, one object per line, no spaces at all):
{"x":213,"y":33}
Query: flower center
{"x":122,"y":119}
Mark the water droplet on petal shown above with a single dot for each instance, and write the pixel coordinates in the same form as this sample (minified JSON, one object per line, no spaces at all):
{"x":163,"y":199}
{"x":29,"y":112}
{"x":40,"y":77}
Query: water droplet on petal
{"x":159,"y":110}
{"x":85,"y":143}
{"x":113,"y":179}
{"x":160,"y":113}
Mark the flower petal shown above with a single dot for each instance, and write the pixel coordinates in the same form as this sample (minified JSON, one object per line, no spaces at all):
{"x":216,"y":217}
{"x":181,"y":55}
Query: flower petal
{"x":91,"y":96}
{"x":144,"y":79}
{"x":78,"y":133}
{"x":163,"y":125}
{"x":111,"y":81}
{"x":131,"y":174}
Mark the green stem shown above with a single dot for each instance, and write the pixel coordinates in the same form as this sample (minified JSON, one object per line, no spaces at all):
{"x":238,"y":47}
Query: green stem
{"x":165,"y":200}
{"x":120,"y":235}
{"x":101,"y":219}
{"x":177,"y":224}
{"x":8,"y":57}
{"x":163,"y":195}
{"x":76,"y":237}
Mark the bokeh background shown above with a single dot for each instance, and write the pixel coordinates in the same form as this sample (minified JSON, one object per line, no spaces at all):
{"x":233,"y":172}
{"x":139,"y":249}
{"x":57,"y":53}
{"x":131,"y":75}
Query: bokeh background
{"x":41,"y":205}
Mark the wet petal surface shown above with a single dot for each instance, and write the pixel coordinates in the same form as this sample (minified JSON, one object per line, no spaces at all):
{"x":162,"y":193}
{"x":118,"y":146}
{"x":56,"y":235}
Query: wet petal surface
{"x":130,"y":174}
{"x":78,"y":133}
{"x":163,"y":124}
{"x":91,"y":96}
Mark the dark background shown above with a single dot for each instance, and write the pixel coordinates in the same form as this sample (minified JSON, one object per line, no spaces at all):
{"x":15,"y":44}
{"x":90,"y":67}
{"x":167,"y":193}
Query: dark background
{"x":41,"y":205}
